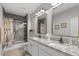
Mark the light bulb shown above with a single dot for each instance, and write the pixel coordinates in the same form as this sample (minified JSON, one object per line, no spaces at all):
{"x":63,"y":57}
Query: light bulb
{"x":42,"y":10}
{"x":36,"y":14}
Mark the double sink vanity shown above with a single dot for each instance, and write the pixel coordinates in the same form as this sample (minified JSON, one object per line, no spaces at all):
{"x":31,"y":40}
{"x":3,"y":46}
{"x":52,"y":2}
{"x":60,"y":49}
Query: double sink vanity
{"x":43,"y":47}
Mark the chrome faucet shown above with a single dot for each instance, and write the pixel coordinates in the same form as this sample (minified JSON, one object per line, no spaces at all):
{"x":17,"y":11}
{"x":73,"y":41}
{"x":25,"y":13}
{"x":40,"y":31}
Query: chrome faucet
{"x":61,"y":41}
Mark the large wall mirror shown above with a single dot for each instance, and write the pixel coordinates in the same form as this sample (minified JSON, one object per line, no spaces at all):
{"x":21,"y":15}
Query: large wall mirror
{"x":42,"y":24}
{"x":66,"y":21}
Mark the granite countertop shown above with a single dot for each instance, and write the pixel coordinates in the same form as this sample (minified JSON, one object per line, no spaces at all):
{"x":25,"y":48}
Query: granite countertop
{"x":66,"y":48}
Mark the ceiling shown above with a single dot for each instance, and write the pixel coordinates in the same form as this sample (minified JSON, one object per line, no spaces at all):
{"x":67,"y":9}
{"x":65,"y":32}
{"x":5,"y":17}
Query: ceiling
{"x":64,"y":7}
{"x":20,"y":8}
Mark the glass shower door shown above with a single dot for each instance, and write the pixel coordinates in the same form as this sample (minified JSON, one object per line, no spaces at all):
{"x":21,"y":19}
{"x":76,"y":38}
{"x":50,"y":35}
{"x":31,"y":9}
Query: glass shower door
{"x":18,"y":31}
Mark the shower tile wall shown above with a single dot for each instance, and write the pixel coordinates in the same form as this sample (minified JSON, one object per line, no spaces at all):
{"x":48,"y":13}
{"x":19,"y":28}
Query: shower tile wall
{"x":18,"y":31}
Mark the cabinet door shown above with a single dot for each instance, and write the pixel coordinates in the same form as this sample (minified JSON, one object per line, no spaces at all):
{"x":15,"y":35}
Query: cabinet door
{"x":42,"y":53}
{"x":34,"y":50}
{"x":30,"y":48}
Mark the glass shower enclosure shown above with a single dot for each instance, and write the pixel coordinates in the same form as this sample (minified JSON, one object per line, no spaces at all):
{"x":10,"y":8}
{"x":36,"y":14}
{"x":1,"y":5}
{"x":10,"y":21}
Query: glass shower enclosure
{"x":18,"y":30}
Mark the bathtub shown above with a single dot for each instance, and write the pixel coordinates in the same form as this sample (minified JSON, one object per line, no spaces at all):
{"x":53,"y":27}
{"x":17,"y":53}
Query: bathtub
{"x":16,"y":45}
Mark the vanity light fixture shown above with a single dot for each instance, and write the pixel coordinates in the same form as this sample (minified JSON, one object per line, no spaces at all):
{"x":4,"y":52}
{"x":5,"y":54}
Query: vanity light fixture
{"x":36,"y":14}
{"x":40,"y":12}
{"x":24,"y":23}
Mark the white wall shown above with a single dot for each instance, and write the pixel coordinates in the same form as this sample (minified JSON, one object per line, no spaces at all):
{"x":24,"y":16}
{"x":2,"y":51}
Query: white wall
{"x":49,"y":21}
{"x":36,"y":24}
{"x":29,"y":24}
{"x":62,"y":17}
{"x":33,"y":23}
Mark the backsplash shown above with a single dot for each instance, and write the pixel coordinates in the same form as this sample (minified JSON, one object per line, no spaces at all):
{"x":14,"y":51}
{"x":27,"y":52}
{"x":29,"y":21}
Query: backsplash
{"x":75,"y":41}
{"x":68,"y":40}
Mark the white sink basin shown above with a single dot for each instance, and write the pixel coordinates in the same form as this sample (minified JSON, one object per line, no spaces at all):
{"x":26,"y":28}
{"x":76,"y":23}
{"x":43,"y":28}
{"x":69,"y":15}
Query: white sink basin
{"x":59,"y":46}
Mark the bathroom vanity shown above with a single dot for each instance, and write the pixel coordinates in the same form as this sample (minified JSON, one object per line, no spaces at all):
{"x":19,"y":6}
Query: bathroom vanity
{"x":61,"y":21}
{"x":42,"y":47}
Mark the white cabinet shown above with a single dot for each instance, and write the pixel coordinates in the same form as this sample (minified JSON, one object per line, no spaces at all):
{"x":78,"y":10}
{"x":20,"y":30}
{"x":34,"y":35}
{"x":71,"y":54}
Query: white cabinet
{"x":29,"y":47}
{"x":51,"y":51}
{"x":33,"y":48}
{"x":38,"y":49}
{"x":42,"y":53}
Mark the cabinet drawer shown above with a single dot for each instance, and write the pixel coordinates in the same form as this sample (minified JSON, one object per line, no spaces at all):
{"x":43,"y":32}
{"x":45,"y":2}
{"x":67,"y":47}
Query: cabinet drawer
{"x":52,"y":51}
